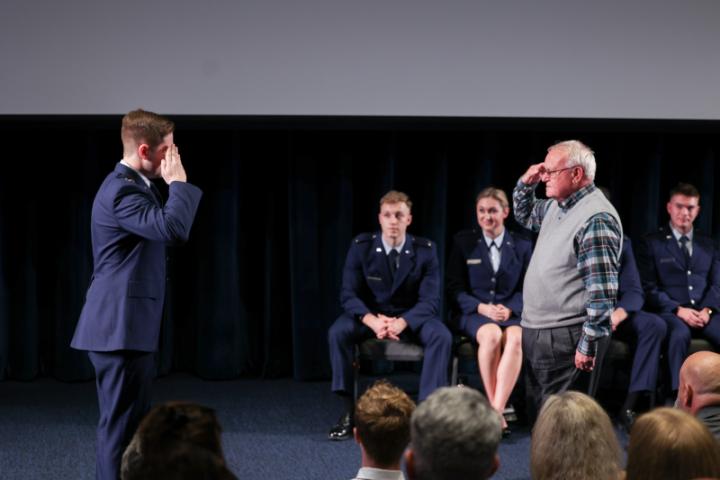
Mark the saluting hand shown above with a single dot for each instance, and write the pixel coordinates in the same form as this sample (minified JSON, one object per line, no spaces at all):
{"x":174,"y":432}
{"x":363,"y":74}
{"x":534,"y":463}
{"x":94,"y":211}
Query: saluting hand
{"x":171,"y":168}
{"x":533,"y":174}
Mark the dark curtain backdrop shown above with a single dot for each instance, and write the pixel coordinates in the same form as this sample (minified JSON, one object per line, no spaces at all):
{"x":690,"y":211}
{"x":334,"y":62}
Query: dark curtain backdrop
{"x":256,"y":287}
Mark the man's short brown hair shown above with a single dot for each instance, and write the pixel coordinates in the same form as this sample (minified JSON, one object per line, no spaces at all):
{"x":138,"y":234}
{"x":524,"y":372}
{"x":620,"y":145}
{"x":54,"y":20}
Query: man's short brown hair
{"x":382,"y":419}
{"x":393,"y":196}
{"x":686,"y":189}
{"x":141,"y":126}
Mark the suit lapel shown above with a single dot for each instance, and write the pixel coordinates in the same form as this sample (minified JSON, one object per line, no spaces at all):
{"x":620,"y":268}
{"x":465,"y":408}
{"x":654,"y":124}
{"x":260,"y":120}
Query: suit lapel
{"x":699,"y":254}
{"x":482,"y":252}
{"x":508,"y":256}
{"x":380,"y":261}
{"x":407,"y":263}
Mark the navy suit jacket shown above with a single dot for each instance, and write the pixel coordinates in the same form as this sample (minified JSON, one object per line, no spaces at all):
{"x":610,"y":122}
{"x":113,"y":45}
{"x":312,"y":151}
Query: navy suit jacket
{"x":130,"y":229}
{"x":470,"y":277}
{"x":368,"y":285}
{"x":668,"y":284}
{"x":630,"y":292}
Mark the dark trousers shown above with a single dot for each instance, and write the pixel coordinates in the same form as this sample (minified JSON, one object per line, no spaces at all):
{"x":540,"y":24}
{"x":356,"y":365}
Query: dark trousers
{"x":123,"y":380}
{"x":549,"y":356}
{"x":647,"y":331}
{"x":433,"y":335}
{"x":678,"y":341}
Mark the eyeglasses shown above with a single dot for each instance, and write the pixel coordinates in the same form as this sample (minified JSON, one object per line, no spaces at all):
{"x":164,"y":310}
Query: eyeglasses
{"x":554,"y":173}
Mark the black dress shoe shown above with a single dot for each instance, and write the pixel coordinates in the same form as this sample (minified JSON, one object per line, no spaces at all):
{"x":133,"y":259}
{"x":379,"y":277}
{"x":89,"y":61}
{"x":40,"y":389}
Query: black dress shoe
{"x":627,"y":419}
{"x":343,"y":429}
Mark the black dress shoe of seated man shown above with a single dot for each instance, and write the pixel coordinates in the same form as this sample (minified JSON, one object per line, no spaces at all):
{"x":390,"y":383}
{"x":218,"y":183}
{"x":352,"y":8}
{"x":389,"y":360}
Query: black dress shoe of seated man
{"x":343,"y":429}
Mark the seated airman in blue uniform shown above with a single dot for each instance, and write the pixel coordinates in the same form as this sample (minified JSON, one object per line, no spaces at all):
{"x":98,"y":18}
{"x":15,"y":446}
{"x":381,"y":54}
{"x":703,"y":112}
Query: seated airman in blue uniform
{"x":390,"y":290}
{"x":485,"y":276}
{"x":680,"y":271}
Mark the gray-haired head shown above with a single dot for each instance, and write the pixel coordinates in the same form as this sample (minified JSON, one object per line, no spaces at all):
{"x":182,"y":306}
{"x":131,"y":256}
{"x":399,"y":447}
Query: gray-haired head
{"x":454,"y":434}
{"x":578,"y":154}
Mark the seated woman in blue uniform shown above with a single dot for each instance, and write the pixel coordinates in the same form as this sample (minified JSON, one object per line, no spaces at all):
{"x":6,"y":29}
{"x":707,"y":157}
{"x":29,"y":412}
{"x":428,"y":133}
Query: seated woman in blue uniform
{"x":484,"y":282}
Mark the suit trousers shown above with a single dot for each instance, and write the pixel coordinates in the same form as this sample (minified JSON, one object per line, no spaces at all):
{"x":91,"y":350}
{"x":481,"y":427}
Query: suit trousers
{"x":123,"y":380}
{"x":647,"y":332}
{"x":549,"y":355}
{"x":433,"y":335}
{"x":678,"y":341}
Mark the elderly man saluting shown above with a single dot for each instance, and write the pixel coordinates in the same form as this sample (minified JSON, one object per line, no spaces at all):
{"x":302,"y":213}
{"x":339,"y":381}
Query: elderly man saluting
{"x":571,"y":283}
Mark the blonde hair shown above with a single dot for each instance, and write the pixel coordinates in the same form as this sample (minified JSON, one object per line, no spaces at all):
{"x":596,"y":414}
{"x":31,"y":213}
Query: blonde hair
{"x":671,"y":444}
{"x":394,"y":196}
{"x":574,"y":439}
{"x":494,"y":193}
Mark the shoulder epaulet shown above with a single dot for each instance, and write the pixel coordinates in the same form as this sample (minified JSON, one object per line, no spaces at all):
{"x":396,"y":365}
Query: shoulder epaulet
{"x":421,"y":242}
{"x":125,"y":177}
{"x":364,"y":237}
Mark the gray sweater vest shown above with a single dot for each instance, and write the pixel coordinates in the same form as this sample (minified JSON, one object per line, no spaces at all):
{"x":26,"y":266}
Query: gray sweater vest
{"x":554,"y":293}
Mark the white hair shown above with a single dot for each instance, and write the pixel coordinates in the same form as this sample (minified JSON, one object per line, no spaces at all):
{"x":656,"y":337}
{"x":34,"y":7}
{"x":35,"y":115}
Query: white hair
{"x":578,"y":154}
{"x":454,"y":434}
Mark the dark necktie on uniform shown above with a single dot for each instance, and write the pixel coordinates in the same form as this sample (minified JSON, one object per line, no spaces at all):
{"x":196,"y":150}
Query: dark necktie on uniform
{"x":685,"y":250}
{"x":494,"y":256}
{"x":394,"y":261}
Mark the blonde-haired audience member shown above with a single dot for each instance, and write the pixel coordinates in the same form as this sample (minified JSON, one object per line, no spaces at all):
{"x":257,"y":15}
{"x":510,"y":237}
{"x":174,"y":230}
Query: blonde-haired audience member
{"x":671,"y":444}
{"x":573,"y":439}
{"x":382,"y":429}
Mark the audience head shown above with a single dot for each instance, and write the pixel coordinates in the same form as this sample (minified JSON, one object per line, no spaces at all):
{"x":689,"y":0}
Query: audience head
{"x":573,"y":439}
{"x":699,"y":382}
{"x":568,"y":167}
{"x":167,"y":431}
{"x":183,"y":462}
{"x":683,"y":206}
{"x":395,"y":216}
{"x":492,"y":208}
{"x":454,"y":435}
{"x":382,"y":425}
{"x":671,"y":444}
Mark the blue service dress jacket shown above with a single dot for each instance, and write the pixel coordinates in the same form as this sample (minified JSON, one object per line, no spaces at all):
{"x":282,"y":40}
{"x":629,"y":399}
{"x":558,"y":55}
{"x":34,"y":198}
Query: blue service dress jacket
{"x":130,"y":229}
{"x":470,"y":276}
{"x":369,"y":287}
{"x":669,"y":283}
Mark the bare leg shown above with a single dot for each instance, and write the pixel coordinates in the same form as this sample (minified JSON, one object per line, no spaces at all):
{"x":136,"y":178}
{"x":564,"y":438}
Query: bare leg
{"x":508,"y":368}
{"x":489,"y":338}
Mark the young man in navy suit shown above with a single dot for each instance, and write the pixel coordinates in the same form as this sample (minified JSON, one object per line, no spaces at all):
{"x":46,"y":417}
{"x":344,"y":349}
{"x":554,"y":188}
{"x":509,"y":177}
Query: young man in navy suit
{"x":390,"y":290}
{"x":680,"y":271}
{"x":120,"y":321}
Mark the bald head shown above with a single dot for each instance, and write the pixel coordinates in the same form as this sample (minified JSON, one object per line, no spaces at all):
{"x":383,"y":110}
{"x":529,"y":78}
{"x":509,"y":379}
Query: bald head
{"x":699,"y":381}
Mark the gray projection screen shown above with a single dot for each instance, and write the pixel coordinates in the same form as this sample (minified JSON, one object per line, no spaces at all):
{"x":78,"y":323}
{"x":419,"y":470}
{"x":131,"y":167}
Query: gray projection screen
{"x":641,"y":59}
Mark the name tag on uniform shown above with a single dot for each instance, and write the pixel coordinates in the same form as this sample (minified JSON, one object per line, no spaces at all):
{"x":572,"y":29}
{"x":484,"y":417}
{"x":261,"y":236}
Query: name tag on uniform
{"x":667,"y":260}
{"x":474,"y":261}
{"x":375,"y":279}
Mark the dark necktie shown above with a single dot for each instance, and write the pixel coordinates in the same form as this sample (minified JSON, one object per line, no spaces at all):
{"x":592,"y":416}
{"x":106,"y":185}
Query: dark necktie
{"x":495,"y":256}
{"x":685,"y":250}
{"x":394,"y":261}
